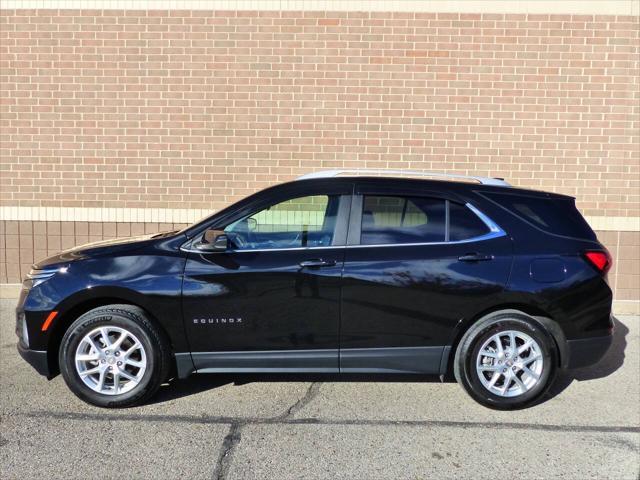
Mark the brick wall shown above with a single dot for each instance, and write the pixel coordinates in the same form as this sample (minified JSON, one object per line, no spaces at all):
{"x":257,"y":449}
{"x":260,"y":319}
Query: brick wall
{"x":194,"y":109}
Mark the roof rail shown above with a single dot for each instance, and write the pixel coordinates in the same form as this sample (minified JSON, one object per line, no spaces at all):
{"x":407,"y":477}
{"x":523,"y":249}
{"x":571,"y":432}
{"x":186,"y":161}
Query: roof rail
{"x":334,"y":173}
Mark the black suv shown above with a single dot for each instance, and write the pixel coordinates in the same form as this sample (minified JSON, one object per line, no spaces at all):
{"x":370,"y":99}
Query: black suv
{"x":330,"y":273}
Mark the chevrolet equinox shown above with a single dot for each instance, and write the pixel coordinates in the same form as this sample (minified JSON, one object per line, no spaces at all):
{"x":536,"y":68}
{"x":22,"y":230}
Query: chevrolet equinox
{"x":334,"y":272}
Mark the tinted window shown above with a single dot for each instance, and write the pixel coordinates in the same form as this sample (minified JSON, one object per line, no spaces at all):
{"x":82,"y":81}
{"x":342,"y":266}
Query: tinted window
{"x":464,"y":224}
{"x":389,"y":219}
{"x":552,"y":214}
{"x":298,"y":222}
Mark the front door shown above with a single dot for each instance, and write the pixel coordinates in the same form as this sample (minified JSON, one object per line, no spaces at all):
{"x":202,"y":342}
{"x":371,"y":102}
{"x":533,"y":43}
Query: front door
{"x":271,"y":301}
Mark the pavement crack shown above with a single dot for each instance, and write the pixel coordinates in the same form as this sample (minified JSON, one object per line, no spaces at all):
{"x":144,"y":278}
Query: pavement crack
{"x":226,"y":451}
{"x":302,"y":402}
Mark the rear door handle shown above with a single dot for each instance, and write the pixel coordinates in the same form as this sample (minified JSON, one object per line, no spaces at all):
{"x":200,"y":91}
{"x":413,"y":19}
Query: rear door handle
{"x":317,"y":263}
{"x":475,"y":257}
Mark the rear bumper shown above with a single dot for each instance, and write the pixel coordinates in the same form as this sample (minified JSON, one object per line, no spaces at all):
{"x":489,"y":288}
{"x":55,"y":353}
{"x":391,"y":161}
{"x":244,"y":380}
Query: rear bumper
{"x":587,"y":351}
{"x":36,"y":359}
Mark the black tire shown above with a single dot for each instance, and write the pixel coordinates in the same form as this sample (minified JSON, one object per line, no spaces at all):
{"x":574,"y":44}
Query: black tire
{"x":466,"y":356}
{"x":134,"y":320}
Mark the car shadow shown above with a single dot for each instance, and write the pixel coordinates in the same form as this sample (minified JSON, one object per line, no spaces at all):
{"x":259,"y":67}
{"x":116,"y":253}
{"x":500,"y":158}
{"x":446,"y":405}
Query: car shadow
{"x":610,"y":363}
{"x":195,"y":384}
{"x":178,"y":388}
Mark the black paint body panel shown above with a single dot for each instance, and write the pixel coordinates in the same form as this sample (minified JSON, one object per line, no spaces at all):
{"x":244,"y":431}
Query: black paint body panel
{"x":401,"y":296}
{"x":281,"y":305}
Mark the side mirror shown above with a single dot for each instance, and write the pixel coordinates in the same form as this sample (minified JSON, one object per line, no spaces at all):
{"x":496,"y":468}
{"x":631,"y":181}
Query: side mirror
{"x":214,"y":240}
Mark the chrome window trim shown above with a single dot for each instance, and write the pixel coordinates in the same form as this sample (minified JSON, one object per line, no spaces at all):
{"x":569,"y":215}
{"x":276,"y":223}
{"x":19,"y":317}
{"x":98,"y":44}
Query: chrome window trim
{"x":493,"y":226}
{"x":481,"y":238}
{"x":494,"y":232}
{"x":328,"y":247}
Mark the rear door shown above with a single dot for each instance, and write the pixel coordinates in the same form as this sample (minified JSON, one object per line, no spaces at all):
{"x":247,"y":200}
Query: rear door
{"x":416,"y":264}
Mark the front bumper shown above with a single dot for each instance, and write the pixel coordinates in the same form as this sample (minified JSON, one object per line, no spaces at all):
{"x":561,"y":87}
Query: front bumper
{"x":587,"y":351}
{"x":37,"y":359}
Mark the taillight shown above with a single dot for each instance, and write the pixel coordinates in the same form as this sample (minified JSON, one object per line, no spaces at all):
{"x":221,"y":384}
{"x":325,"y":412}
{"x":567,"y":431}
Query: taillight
{"x":601,"y":259}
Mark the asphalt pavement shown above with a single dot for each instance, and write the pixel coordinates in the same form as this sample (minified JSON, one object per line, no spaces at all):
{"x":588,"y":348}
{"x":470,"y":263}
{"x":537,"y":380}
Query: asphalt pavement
{"x":325,"y":427}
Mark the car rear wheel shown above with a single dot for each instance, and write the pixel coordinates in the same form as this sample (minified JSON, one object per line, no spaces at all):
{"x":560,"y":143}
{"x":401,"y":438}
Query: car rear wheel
{"x":113,"y":356}
{"x":506,"y":361}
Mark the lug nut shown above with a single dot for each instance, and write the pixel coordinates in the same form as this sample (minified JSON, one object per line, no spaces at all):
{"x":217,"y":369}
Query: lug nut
{"x":102,"y":361}
{"x":107,"y":352}
{"x":117,"y":354}
{"x":119,"y":363}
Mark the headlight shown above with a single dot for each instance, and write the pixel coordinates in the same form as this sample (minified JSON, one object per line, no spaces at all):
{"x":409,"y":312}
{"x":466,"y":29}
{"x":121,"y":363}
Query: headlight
{"x":39,"y":276}
{"x":25,"y":332}
{"x":21,"y":329}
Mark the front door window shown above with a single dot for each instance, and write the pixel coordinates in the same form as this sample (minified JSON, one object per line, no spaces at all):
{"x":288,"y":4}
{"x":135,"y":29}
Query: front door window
{"x":300,"y":222}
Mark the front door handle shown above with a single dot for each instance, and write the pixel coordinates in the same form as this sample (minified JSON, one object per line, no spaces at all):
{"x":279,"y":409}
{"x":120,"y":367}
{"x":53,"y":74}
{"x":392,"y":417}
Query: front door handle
{"x":475,"y":257}
{"x":317,"y":263}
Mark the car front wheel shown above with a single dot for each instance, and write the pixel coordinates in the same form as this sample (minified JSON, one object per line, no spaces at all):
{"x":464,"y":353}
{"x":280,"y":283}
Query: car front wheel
{"x":506,"y":361}
{"x":113,"y":356}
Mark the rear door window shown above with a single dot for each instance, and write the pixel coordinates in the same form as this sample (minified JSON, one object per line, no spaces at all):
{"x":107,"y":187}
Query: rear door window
{"x":397,"y":220}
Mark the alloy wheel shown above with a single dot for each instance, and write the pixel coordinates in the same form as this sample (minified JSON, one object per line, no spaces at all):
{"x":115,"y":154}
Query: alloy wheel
{"x":110,"y":360}
{"x":509,"y":363}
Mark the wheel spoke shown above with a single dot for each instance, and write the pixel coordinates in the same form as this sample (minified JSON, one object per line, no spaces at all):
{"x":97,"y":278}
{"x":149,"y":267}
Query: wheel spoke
{"x":499,"y":344}
{"x":494,"y":379}
{"x":533,"y":375}
{"x":520,"y":383}
{"x":115,"y":345}
{"x":88,"y":357}
{"x":116,"y":382}
{"x":133,"y":363}
{"x":528,"y":360}
{"x":105,"y":337}
{"x":91,"y":371}
{"x":512,"y":342}
{"x":132,"y":349}
{"x":525,"y":347}
{"x":489,"y":353}
{"x":100,"y":385}
{"x":507,"y":383}
{"x":93,"y":344}
{"x":489,"y":368}
{"x":128,"y":376}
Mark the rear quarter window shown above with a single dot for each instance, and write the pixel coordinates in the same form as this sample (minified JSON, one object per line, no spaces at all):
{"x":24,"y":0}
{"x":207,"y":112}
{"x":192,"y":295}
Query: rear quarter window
{"x":464,"y":224}
{"x":556,"y":215}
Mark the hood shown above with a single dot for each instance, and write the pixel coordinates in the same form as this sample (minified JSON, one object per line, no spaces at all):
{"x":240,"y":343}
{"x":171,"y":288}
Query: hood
{"x":103,"y":247}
